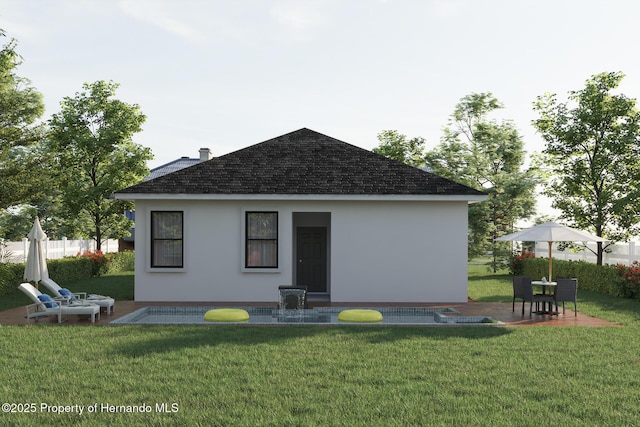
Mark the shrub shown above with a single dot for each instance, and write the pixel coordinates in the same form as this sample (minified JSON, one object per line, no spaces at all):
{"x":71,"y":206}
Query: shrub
{"x":628,"y":280}
{"x":517,"y":262}
{"x":122,"y":261}
{"x":99,"y":262}
{"x":10,"y":277}
{"x":69,"y":269}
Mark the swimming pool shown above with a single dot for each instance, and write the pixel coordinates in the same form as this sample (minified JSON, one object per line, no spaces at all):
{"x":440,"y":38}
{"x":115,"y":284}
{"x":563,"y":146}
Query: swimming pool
{"x":177,"y":315}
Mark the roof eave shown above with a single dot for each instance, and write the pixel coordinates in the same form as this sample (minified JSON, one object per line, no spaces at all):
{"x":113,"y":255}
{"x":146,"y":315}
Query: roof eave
{"x":320,"y":197}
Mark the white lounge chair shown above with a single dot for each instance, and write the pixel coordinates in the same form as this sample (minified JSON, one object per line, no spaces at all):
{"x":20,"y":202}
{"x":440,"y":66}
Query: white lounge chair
{"x":60,"y":292}
{"x":44,"y":305}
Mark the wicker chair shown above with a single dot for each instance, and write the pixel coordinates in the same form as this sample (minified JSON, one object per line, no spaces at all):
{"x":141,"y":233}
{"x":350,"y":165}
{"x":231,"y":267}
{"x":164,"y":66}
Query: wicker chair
{"x":523,"y":289}
{"x":518,"y":292}
{"x":566,"y":291}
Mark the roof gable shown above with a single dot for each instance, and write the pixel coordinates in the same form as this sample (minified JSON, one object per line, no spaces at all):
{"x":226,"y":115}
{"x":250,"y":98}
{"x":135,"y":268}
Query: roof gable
{"x":303,"y":162}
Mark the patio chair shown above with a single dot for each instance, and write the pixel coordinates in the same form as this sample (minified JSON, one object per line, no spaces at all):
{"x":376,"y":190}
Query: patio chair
{"x":567,"y":291}
{"x":523,"y":289}
{"x":44,"y":305}
{"x":520,"y":291}
{"x":105,"y":302}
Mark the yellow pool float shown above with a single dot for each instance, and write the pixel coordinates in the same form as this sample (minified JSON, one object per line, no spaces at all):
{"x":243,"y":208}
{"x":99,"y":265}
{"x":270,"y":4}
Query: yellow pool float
{"x":360,"y":316}
{"x":226,"y":315}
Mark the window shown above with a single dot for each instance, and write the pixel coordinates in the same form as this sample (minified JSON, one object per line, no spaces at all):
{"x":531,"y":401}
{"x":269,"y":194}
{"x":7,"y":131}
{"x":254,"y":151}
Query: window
{"x":166,"y":239}
{"x":261,"y":240}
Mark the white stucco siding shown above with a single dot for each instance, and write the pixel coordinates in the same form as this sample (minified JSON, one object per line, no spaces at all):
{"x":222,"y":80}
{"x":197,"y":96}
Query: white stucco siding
{"x":400,"y":252}
{"x":378,"y":252}
{"x":213,"y":255}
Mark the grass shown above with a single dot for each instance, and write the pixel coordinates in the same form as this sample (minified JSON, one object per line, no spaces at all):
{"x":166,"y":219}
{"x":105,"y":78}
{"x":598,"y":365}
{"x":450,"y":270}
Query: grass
{"x":289,"y":376}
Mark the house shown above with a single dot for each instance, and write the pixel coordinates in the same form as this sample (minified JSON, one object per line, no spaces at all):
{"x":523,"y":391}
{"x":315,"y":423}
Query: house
{"x":128,"y":243}
{"x":181,"y":163}
{"x":301,"y":209}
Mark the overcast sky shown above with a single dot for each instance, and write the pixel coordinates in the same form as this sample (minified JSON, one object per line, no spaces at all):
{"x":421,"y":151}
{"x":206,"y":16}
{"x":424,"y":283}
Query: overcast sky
{"x":228,"y":74}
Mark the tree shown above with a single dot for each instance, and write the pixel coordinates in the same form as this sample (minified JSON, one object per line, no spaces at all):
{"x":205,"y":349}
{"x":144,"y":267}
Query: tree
{"x":92,"y":139}
{"x":23,"y":169}
{"x":397,"y":147}
{"x":488,"y":156}
{"x":593,"y":154}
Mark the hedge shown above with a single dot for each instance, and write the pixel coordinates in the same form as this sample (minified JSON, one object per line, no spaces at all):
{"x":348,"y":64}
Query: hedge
{"x":63,"y":270}
{"x":121,"y":261}
{"x":10,"y":277}
{"x":592,"y":277}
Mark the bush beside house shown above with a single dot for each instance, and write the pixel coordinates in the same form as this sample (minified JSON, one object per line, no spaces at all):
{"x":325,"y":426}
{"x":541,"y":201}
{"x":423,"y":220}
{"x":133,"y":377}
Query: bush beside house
{"x":121,"y":261}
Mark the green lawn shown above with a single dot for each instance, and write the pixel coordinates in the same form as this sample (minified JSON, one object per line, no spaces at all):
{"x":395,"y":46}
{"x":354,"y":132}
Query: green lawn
{"x":342,"y":375}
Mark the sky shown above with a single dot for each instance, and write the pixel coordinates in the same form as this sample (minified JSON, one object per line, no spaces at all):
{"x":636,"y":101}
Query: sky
{"x":231,"y":73}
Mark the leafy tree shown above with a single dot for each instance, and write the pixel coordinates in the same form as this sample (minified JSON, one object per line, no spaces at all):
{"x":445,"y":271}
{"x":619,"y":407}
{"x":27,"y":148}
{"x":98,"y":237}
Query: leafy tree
{"x":92,"y":139}
{"x":23,"y":166}
{"x":397,"y":147}
{"x":488,"y":156}
{"x":593,"y":153}
{"x":15,"y":225}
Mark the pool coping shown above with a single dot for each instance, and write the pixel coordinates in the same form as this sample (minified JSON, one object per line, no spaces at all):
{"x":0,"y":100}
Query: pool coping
{"x":502,"y":311}
{"x":442,"y":316}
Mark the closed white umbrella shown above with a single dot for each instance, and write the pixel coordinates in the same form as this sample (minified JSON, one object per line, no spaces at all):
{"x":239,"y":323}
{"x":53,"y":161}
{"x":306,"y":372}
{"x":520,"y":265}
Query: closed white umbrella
{"x":551,"y":232}
{"x":36,"y":268}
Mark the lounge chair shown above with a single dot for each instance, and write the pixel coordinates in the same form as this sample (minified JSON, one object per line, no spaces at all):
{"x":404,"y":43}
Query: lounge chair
{"x":59,"y":292}
{"x":44,"y":305}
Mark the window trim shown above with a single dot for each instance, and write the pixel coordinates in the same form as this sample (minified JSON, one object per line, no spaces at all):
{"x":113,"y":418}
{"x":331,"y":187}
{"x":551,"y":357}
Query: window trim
{"x":246,"y":265}
{"x":152,"y":240}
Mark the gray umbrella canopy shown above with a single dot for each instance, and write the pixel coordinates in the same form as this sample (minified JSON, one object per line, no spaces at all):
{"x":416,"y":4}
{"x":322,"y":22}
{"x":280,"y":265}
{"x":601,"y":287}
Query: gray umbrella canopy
{"x":551,"y":232}
{"x":36,"y":268}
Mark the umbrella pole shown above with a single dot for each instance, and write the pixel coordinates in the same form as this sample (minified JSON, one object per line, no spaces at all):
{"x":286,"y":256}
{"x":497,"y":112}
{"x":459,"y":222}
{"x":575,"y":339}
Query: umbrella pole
{"x":550,"y":261}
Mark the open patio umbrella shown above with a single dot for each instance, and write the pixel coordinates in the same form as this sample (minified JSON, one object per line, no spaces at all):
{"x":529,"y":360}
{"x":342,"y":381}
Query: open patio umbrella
{"x":36,"y":267}
{"x":551,"y":232}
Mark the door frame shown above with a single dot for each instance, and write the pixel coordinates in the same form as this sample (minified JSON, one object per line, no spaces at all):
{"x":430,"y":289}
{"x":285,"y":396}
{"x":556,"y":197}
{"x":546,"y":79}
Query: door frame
{"x":324,"y":260}
{"x":312,"y":219}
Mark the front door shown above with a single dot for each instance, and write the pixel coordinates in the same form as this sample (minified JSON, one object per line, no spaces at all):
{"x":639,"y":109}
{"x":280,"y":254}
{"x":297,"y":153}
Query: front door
{"x":312,"y":258}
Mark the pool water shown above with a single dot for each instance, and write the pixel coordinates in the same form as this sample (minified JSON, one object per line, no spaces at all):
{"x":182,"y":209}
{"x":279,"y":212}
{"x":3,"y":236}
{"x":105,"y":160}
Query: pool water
{"x":164,"y":315}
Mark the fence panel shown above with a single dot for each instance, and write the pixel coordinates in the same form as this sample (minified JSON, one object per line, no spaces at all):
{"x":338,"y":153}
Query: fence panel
{"x":54,"y":249}
{"x":619,"y":253}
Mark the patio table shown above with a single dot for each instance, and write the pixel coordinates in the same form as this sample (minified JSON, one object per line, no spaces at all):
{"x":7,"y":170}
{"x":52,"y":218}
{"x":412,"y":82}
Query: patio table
{"x":545,"y":285}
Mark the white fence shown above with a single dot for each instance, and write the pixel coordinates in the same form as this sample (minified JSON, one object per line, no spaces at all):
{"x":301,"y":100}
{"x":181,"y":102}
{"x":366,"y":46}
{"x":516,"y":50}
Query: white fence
{"x":53,"y":249}
{"x":619,"y":253}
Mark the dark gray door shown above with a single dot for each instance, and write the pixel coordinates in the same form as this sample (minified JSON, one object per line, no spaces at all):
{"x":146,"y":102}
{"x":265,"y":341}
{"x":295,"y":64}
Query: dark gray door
{"x":312,"y":258}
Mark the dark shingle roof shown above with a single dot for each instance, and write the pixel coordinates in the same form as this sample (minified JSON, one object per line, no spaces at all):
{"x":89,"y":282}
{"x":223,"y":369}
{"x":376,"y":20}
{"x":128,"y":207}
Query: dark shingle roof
{"x":303,"y":162}
{"x":175,"y":165}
